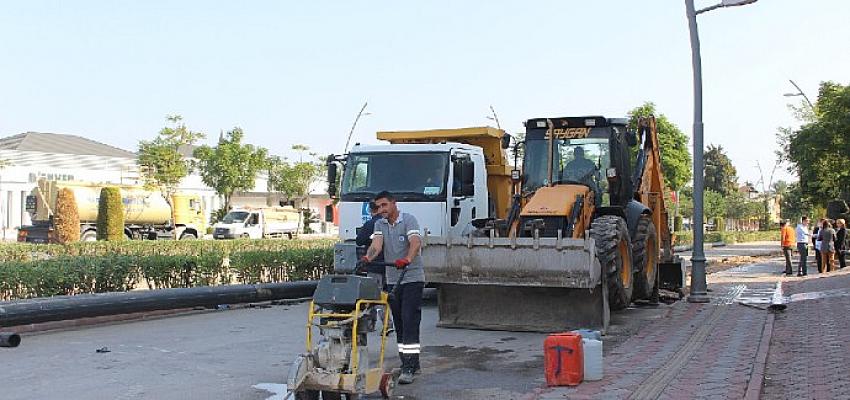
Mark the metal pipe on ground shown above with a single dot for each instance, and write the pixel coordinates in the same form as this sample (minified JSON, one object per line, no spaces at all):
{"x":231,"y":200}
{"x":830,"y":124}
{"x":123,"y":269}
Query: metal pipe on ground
{"x":32,"y":311}
{"x":9,"y":339}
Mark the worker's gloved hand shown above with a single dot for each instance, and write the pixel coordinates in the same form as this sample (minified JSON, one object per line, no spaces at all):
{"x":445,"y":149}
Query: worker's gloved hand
{"x":361,"y":265}
{"x":401,"y":263}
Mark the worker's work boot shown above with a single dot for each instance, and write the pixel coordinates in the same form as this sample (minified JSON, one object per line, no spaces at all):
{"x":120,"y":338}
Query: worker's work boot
{"x":406,"y":376}
{"x":413,"y":363}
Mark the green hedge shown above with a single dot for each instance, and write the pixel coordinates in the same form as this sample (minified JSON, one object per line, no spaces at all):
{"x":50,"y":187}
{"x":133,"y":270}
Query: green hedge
{"x":728,"y":237}
{"x":30,"y":270}
{"x":110,"y":215}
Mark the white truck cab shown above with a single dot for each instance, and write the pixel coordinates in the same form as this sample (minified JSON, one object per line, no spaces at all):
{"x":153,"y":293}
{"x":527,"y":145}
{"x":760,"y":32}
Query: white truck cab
{"x":443,"y":185}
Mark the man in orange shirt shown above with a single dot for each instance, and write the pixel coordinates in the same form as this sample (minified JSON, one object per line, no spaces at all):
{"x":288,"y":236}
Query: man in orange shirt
{"x":787,"y":244}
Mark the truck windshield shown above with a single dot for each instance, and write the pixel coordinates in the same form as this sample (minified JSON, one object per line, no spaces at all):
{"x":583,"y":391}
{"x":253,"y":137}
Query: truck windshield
{"x":235,"y":217}
{"x":575,"y":161}
{"x":408,"y":176}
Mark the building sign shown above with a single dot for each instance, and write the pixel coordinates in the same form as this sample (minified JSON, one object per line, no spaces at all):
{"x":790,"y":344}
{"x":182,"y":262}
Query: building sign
{"x":50,"y":176}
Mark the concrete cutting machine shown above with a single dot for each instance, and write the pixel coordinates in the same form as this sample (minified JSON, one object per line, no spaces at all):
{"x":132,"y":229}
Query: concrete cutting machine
{"x":338,"y":365}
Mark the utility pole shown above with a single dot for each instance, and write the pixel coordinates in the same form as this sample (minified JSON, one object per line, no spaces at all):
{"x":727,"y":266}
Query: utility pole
{"x":699,"y":288}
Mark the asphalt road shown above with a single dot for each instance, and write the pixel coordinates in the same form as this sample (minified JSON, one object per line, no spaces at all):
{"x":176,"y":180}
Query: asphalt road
{"x":225,"y":354}
{"x":245,"y":354}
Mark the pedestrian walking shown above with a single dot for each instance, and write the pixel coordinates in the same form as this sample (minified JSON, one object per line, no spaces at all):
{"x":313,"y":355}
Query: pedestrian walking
{"x":827,"y":247}
{"x":803,"y":237}
{"x":787,"y":243}
{"x":842,"y":243}
{"x":817,"y":243}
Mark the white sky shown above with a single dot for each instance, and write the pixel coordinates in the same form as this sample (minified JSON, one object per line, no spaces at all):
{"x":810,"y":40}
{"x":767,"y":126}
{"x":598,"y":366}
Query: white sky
{"x":298,"y":72}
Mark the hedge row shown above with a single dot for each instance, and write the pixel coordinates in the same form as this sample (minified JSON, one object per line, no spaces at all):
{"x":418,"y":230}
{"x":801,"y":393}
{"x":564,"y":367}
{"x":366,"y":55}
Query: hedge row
{"x":30,"y":252}
{"x":96,"y":267}
{"x":728,"y":237}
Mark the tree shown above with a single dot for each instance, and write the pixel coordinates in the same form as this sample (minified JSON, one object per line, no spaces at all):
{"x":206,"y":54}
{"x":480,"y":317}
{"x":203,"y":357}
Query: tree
{"x":162,"y":165}
{"x":230,"y":166}
{"x":67,"y":217}
{"x":720,"y":174}
{"x":673,"y":146}
{"x":291,"y":180}
{"x":686,"y":202}
{"x":714,"y":205}
{"x":819,"y":151}
{"x":110,"y":215}
{"x":794,"y":205}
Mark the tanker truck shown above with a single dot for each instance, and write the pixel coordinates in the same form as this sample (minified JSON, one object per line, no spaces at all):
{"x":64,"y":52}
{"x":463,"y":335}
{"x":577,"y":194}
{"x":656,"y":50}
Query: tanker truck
{"x":258,"y":223}
{"x":146,"y":213}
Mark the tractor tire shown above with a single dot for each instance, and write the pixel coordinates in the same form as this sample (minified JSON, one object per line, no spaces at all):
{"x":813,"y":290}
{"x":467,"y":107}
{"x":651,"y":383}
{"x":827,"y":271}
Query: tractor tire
{"x":614,"y":251}
{"x":645,"y":256}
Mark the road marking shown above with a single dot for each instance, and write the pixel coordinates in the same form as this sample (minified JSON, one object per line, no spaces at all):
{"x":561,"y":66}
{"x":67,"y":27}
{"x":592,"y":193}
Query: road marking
{"x":278,"y":390}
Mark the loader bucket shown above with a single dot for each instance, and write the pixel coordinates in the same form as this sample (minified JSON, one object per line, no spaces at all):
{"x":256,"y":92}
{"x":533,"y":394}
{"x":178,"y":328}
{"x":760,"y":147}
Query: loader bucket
{"x":517,"y":284}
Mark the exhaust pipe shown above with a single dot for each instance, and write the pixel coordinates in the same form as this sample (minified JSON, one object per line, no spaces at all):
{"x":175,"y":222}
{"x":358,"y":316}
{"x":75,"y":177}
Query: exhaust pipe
{"x":9,"y":339}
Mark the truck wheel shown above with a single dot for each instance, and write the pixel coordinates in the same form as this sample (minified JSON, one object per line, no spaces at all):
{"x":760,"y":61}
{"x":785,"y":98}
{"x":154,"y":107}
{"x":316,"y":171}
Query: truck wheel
{"x":245,"y":236}
{"x":645,"y":255}
{"x":613,"y":249}
{"x":89,"y":236}
{"x":188,"y":236}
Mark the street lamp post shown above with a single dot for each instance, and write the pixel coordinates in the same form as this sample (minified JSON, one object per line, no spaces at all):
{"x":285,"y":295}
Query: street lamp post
{"x":699,"y":288}
{"x":800,"y":93}
{"x":354,"y":125}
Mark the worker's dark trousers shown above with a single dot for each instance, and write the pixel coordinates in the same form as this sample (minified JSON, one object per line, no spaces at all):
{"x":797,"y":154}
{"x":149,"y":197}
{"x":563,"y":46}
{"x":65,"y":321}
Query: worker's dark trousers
{"x":842,"y":258}
{"x":802,"y":269}
{"x":407,"y":313}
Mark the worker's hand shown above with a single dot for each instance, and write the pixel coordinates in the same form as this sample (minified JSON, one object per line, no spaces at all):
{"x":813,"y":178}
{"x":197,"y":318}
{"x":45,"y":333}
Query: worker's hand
{"x":365,"y":260}
{"x":401,"y":263}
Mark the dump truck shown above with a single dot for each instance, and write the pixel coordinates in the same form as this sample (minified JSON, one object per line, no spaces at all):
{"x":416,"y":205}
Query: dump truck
{"x":445,"y":183}
{"x":146,"y":213}
{"x":258,"y":223}
{"x":576,"y":232}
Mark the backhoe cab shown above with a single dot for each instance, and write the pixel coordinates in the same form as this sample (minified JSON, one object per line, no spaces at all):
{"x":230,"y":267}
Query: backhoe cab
{"x":573,"y":168}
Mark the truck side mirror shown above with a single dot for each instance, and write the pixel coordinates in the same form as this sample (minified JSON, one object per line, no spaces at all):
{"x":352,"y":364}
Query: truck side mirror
{"x":467,"y":178}
{"x":329,"y":213}
{"x":631,"y":138}
{"x":331,"y":177}
{"x":506,"y":141}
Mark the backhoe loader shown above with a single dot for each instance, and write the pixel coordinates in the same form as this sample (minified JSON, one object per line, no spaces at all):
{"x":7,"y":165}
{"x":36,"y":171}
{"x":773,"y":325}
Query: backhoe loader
{"x":549,"y":247}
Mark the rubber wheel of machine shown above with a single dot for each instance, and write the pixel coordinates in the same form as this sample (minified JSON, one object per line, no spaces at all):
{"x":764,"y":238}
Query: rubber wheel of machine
{"x":307,"y":395}
{"x":387,"y":386}
{"x":614,"y":251}
{"x":645,"y":256}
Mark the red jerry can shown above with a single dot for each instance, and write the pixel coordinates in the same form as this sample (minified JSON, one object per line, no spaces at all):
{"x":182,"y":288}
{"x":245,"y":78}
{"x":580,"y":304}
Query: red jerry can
{"x":563,"y":357}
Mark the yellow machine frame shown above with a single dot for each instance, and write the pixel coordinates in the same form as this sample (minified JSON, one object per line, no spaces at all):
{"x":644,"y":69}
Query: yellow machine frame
{"x":347,"y":382}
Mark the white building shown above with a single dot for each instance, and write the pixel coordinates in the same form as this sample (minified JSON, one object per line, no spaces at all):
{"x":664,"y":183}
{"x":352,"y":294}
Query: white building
{"x":30,"y":156}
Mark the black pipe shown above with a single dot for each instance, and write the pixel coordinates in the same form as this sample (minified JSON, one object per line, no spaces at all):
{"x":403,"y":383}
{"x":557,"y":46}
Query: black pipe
{"x":9,"y":339}
{"x":59,"y":308}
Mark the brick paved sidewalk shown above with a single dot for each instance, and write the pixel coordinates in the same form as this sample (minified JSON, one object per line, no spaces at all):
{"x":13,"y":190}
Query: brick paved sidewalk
{"x":810,"y":347}
{"x":697,"y":351}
